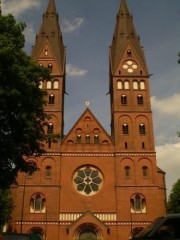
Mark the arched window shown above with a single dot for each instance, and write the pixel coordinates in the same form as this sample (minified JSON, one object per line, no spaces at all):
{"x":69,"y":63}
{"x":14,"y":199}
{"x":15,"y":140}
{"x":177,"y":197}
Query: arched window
{"x":127,"y":171}
{"x":125,"y":128}
{"x":135,"y":231}
{"x":142,"y":85}
{"x":135,"y":85}
{"x":38,"y":203}
{"x":138,"y":203}
{"x":70,"y":142}
{"x":96,"y":139}
{"x":126,"y":84}
{"x":48,"y":171}
{"x":119,"y":85}
{"x":32,"y":168}
{"x":51,"y":99}
{"x":140,"y":99}
{"x":78,"y":138}
{"x":87,"y":138}
{"x":123,"y":99}
{"x":55,"y":84}
{"x":50,"y":128}
{"x":40,"y":84}
{"x":49,"y":85}
{"x":46,"y":52}
{"x":129,"y":53}
{"x":145,"y":171}
{"x":142,"y":129}
{"x":50,"y":66}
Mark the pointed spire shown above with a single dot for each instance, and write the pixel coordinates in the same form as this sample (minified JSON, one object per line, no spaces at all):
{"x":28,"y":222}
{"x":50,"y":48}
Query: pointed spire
{"x":51,"y":7}
{"x":125,"y":32}
{"x":50,"y":33}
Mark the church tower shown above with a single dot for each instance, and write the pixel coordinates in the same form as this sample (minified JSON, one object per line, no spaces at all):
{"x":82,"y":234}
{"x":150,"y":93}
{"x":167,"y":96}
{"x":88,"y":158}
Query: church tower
{"x":131,"y":116}
{"x":137,"y":174}
{"x":91,"y":184}
{"x":49,"y":51}
{"x":37,"y":195}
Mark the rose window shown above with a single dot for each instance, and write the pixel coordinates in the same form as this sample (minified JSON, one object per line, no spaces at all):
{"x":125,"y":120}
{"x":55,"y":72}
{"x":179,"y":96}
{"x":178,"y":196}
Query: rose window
{"x":130,"y":66}
{"x":88,"y":180}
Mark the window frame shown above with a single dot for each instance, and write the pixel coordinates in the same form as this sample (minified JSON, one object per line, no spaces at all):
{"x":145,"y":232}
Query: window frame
{"x":140,"y":99}
{"x":50,"y":128}
{"x":138,"y":203}
{"x":38,"y":203}
{"x":142,"y":129}
{"x":51,"y":99}
{"x":125,"y":129}
{"x":123,"y":99}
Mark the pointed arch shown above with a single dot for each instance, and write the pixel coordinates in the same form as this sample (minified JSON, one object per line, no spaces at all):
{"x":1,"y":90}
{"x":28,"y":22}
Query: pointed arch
{"x":88,"y":231}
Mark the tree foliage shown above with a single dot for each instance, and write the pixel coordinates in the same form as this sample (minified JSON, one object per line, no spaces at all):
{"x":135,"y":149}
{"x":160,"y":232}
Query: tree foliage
{"x":21,"y":102}
{"x":6,"y":206}
{"x":179,"y":57}
{"x":174,"y":199}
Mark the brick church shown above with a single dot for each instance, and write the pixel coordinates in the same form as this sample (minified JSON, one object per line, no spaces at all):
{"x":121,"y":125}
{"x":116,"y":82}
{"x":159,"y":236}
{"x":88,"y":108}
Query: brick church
{"x":91,"y":184}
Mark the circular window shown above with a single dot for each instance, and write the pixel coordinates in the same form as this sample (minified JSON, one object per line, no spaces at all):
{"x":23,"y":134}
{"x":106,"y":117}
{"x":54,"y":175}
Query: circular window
{"x":130,"y":66}
{"x":87,"y":180}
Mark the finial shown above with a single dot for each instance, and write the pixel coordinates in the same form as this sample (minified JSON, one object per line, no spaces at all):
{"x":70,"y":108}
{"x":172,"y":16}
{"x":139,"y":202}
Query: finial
{"x":87,"y":103}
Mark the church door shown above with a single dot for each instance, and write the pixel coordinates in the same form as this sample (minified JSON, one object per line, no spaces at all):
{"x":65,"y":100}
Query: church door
{"x":88,"y":235}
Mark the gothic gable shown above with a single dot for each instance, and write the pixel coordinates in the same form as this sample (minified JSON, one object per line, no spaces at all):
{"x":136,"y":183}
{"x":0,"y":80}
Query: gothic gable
{"x":87,"y":135}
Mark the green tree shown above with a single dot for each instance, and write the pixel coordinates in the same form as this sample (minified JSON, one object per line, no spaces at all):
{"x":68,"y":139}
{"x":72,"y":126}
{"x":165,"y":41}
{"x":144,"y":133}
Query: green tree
{"x":22,"y":118}
{"x":174,"y":199}
{"x":6,"y":206}
{"x":179,"y":57}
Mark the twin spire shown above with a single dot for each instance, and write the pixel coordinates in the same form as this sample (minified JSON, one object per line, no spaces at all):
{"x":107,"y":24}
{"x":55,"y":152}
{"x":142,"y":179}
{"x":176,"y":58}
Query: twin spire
{"x":50,"y":33}
{"x":124,"y":34}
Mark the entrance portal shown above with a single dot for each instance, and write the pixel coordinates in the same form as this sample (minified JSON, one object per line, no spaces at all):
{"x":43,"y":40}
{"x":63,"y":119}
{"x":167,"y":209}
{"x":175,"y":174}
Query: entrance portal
{"x":87,"y":235}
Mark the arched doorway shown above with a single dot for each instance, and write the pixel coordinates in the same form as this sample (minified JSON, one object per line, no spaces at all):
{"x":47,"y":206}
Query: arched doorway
{"x":38,"y":232}
{"x":88,"y":235}
{"x":88,"y":231}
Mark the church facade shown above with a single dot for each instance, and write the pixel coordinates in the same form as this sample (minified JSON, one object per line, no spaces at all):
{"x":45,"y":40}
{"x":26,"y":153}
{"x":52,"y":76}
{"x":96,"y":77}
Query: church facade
{"x":91,"y":184}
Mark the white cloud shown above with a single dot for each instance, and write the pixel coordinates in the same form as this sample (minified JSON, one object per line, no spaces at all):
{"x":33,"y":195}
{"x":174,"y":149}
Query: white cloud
{"x":29,"y":33}
{"x":166,"y":115}
{"x":167,"y":106}
{"x":72,"y":26}
{"x":168,"y":157}
{"x":17,"y":7}
{"x":75,"y":71}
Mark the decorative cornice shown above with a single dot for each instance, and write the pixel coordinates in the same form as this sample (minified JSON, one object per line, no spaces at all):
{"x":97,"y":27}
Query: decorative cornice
{"x":49,"y":154}
{"x":135,"y":154}
{"x":67,"y":223}
{"x":88,"y":154}
{"x":95,"y":154}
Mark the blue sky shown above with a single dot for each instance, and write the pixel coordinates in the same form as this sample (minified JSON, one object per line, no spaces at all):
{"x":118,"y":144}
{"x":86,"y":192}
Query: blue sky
{"x":87,"y":27}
